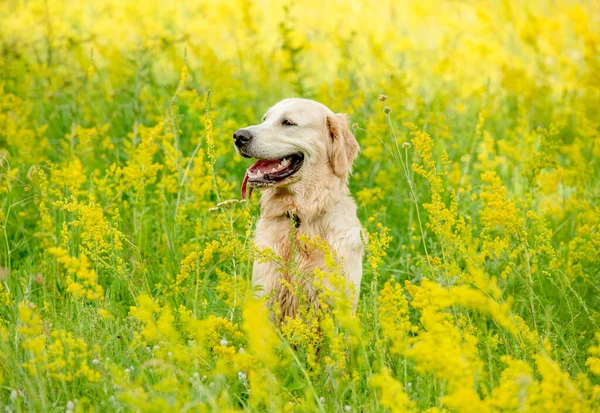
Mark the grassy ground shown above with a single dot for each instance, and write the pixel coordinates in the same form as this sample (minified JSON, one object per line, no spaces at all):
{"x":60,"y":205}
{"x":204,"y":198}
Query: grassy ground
{"x":124,"y":270}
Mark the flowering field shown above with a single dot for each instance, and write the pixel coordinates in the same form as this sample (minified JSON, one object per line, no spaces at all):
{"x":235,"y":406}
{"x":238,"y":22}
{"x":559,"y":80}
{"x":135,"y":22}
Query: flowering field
{"x":126,"y":255}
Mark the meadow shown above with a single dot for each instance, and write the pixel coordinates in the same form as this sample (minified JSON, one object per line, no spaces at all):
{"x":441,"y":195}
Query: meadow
{"x":126,"y":252}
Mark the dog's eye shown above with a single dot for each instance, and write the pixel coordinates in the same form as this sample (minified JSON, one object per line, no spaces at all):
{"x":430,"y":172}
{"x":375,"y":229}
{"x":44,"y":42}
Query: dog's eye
{"x":287,"y":122}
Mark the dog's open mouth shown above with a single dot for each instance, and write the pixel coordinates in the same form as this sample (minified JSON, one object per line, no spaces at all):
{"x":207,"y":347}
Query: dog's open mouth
{"x":267,"y":172}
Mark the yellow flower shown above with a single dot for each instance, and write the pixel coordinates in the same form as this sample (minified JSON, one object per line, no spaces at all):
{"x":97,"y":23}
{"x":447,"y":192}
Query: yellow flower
{"x":392,"y":395}
{"x":393,"y":316}
{"x":81,"y":281}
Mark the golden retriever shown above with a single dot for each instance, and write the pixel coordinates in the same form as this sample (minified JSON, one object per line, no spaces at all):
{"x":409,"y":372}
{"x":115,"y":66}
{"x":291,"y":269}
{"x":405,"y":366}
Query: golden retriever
{"x":305,"y":154}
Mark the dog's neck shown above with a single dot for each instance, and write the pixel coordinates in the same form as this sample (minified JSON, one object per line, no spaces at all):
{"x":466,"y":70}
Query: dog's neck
{"x":303,"y":201}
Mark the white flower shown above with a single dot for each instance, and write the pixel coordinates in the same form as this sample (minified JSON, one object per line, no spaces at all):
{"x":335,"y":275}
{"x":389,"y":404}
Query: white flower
{"x":347,"y":408}
{"x":13,"y":395}
{"x":224,"y":342}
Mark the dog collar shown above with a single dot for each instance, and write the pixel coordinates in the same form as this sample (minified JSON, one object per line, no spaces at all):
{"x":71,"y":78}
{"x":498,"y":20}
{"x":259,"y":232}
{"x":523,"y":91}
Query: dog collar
{"x":295,"y":218}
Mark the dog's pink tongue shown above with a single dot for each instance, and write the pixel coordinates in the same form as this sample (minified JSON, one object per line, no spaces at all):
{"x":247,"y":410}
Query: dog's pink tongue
{"x":244,"y":183}
{"x":264,"y":165}
{"x":261,"y":164}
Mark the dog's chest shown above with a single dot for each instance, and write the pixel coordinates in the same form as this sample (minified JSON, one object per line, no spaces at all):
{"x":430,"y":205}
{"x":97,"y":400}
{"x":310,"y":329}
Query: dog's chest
{"x":284,"y":235}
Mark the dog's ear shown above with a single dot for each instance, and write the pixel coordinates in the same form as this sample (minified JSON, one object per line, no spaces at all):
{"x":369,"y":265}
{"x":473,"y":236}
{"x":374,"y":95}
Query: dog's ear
{"x":342,"y":147}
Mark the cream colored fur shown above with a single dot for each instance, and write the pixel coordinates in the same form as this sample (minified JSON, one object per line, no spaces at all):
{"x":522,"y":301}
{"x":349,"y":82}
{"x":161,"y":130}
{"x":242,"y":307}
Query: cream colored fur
{"x":318,"y":194}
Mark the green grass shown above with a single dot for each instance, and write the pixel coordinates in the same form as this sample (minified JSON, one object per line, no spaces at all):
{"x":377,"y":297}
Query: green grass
{"x":118,"y":154}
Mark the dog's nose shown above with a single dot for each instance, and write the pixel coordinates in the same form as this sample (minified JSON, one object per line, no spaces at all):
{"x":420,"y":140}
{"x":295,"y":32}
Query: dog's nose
{"x":242,"y":137}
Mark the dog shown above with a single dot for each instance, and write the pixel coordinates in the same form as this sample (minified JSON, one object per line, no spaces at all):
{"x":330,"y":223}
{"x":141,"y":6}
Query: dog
{"x":304,"y":157}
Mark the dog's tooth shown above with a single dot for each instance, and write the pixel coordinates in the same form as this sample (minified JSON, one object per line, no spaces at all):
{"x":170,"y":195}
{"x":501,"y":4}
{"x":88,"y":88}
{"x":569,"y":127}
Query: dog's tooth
{"x":285,"y":162}
{"x":274,"y":169}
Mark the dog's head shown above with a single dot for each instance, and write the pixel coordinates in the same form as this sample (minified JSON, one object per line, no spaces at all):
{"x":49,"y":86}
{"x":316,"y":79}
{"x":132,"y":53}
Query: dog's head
{"x":298,"y":139}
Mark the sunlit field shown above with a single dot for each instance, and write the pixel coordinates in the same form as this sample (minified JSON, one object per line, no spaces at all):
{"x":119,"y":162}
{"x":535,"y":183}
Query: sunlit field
{"x":126,"y":251}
